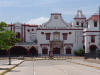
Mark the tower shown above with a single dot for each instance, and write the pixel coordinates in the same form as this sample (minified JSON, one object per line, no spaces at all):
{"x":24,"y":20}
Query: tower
{"x":80,"y":19}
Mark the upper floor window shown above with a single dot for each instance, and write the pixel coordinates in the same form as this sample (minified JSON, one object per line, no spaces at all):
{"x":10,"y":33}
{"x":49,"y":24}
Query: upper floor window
{"x":28,"y":30}
{"x":82,"y":24}
{"x":64,"y":36}
{"x":47,"y":36}
{"x":32,"y":29}
{"x":93,"y":39}
{"x":95,"y":23}
{"x":55,"y":17}
{"x":77,"y":23}
{"x":18,"y":35}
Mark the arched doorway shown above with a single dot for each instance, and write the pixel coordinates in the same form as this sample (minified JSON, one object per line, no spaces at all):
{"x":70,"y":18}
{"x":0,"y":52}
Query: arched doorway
{"x":56,"y":50}
{"x":18,"y":50}
{"x":3,"y":52}
{"x":68,"y":51}
{"x":33,"y":51}
{"x":93,"y":48}
{"x":44,"y":51}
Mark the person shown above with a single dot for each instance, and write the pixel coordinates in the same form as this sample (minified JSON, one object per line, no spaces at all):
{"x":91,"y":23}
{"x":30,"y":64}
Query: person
{"x":51,"y":55}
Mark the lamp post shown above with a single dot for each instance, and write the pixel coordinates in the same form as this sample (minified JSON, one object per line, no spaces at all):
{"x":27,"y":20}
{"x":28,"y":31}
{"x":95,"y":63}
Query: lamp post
{"x":9,"y":57}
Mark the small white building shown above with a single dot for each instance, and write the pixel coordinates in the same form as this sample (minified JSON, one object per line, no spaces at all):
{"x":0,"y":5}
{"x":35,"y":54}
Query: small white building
{"x":92,"y":34}
{"x":58,"y":36}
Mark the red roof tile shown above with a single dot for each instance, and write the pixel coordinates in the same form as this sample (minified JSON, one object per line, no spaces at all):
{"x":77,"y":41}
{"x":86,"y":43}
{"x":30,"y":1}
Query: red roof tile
{"x":94,"y":17}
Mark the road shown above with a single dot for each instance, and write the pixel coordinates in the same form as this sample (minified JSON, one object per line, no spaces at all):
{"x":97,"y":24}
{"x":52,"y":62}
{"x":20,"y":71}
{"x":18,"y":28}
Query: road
{"x":52,"y":67}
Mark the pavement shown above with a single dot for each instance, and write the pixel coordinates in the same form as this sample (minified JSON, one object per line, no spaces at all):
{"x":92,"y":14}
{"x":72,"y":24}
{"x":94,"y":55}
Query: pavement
{"x":56,"y":67}
{"x":4,"y":67}
{"x":85,"y":63}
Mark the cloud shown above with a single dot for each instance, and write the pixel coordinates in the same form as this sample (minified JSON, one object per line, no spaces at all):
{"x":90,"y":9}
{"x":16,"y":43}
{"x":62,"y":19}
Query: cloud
{"x":38,"y":21}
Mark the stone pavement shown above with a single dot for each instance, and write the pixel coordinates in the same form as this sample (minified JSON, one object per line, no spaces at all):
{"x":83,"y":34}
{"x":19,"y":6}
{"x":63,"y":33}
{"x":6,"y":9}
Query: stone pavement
{"x":5,"y":67}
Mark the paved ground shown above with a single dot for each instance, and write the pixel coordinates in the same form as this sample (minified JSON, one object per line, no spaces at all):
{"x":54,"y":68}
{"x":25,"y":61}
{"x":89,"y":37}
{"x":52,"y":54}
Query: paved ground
{"x":52,"y":67}
{"x":5,"y":67}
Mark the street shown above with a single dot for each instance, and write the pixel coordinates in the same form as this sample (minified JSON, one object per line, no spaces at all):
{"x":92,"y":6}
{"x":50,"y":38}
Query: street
{"x":52,"y":67}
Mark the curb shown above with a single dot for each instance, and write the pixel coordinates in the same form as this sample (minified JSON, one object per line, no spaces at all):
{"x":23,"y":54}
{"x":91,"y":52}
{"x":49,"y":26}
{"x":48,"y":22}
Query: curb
{"x":4,"y":72}
{"x":85,"y":65}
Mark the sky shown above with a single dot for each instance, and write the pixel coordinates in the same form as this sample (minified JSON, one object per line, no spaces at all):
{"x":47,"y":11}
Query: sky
{"x":38,"y":11}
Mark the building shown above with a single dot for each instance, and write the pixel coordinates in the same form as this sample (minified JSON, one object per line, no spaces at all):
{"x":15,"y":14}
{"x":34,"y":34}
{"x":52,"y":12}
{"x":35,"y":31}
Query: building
{"x":57,"y":36}
{"x":92,"y":35}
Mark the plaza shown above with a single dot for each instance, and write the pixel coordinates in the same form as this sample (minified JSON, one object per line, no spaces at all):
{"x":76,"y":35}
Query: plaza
{"x":53,"y":67}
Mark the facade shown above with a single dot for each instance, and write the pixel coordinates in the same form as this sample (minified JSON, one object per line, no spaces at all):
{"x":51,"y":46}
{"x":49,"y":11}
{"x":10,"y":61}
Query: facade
{"x":56,"y":35}
{"x":92,"y":35}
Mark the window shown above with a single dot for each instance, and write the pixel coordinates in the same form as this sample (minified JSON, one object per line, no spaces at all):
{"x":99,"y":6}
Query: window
{"x":47,"y":36}
{"x":44,"y":51}
{"x":77,"y":23}
{"x":42,"y":32}
{"x":92,"y":39}
{"x":55,"y":17}
{"x":32,"y":29}
{"x":28,"y":30}
{"x":95,"y":23}
{"x":64,"y":36}
{"x":82,"y":24}
{"x":68,"y":50}
{"x":18,"y":35}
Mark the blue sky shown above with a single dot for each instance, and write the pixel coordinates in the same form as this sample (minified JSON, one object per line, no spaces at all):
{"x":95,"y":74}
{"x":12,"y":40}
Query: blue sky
{"x":38,"y":11}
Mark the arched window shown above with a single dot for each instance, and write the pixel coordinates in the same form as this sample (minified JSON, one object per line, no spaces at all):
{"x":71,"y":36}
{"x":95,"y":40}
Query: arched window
{"x":77,"y":23}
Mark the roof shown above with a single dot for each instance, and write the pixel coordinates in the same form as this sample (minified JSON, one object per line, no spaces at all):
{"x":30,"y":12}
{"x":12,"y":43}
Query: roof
{"x":55,"y":13}
{"x":25,"y":25}
{"x":94,"y":17}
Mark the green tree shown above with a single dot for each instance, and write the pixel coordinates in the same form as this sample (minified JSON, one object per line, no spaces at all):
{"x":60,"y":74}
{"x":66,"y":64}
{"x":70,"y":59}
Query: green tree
{"x":7,"y":38}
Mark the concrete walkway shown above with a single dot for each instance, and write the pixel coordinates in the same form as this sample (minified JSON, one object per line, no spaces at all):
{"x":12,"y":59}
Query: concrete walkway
{"x":5,"y":67}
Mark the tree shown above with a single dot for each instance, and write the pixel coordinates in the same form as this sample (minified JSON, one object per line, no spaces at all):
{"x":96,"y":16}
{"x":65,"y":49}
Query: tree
{"x":7,"y":38}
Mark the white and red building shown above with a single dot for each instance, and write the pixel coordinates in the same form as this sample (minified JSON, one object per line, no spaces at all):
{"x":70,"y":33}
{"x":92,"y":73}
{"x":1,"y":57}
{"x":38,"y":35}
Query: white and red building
{"x":58,"y":36}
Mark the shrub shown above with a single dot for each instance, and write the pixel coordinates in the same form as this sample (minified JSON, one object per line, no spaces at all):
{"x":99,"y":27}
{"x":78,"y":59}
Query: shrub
{"x":79,"y":52}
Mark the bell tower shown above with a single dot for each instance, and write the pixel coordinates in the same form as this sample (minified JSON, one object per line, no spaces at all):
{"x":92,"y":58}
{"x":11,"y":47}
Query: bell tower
{"x":80,"y":19}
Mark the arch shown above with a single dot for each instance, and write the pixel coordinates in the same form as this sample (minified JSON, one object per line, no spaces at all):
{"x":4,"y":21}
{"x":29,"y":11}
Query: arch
{"x":68,"y":50}
{"x":56,"y":50}
{"x":18,"y":50}
{"x":3,"y":52}
{"x":44,"y":50}
{"x":93,"y":48}
{"x":33,"y":51}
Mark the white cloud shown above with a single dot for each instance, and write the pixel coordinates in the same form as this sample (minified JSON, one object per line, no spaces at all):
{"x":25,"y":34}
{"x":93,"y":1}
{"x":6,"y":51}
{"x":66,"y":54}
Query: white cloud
{"x":38,"y":21}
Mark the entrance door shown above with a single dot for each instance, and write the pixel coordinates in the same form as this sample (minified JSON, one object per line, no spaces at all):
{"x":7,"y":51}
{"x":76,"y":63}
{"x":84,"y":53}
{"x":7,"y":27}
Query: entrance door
{"x":56,"y":50}
{"x":93,"y":49}
{"x":33,"y":51}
